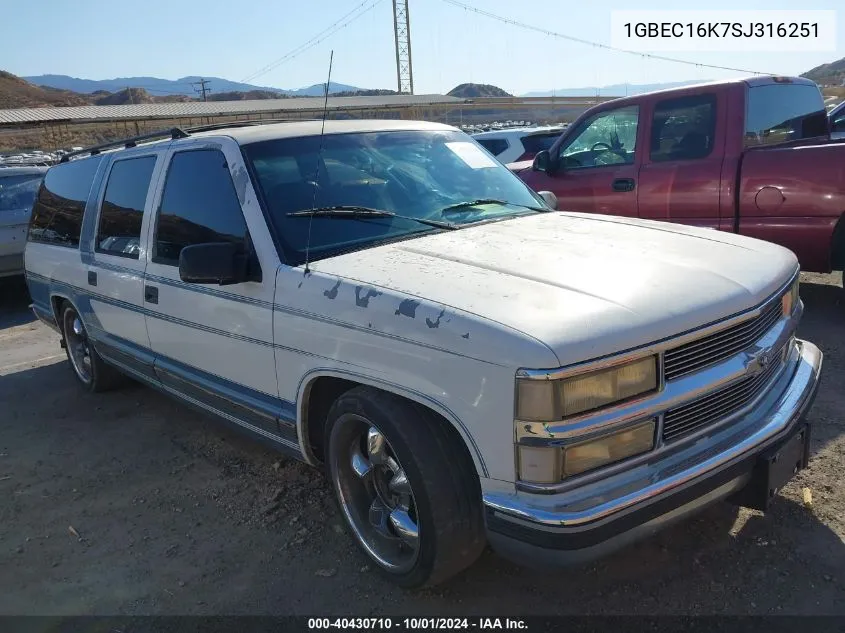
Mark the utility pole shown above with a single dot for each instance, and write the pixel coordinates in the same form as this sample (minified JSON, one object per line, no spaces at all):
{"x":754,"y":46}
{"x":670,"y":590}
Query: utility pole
{"x":202,"y":89}
{"x":402,"y":35}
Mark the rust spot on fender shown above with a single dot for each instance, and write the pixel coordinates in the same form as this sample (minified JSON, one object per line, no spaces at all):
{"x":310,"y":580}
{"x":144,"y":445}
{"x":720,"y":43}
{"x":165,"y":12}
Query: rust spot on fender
{"x":408,"y":308}
{"x":363,"y":301}
{"x":436,"y":322}
{"x":331,"y":294}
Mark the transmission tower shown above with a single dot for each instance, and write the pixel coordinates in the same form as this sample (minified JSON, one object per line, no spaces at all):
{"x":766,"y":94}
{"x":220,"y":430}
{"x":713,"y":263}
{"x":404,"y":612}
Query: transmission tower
{"x":402,"y":33}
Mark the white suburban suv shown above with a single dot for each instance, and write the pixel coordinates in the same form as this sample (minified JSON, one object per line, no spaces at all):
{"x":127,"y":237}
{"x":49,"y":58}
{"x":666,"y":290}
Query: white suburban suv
{"x":470,"y":366}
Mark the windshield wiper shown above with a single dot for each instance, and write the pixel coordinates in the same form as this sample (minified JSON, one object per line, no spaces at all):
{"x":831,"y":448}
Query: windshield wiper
{"x":349,"y":211}
{"x":480,"y":201}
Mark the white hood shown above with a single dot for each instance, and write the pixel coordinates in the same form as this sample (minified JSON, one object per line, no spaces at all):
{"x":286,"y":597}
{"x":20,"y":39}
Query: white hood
{"x":584,"y":285}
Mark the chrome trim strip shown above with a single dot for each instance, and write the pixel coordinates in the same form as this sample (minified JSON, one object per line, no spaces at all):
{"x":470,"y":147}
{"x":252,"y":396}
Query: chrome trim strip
{"x":655,"y":347}
{"x":784,"y":411}
{"x":146,"y":380}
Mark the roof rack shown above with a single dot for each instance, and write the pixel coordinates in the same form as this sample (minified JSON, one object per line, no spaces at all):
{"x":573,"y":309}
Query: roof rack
{"x":132,"y":141}
{"x":247,"y":123}
{"x":174,"y":133}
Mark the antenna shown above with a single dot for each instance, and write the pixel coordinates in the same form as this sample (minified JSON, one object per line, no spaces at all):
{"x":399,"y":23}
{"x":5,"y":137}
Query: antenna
{"x":319,"y":157}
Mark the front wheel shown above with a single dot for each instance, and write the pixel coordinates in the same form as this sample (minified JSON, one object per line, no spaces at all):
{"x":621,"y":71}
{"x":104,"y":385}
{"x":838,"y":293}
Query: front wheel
{"x":416,"y":512}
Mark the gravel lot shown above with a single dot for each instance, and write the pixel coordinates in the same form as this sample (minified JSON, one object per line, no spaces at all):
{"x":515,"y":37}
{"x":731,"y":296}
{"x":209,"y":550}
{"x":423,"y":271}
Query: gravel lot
{"x":129,"y":503}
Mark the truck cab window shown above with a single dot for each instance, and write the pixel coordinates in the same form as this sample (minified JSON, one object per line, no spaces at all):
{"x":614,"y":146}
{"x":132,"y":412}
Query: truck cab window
{"x":683,"y":129}
{"x":609,"y":138}
{"x":782,"y":112}
{"x":119,"y":231}
{"x":198,"y":205}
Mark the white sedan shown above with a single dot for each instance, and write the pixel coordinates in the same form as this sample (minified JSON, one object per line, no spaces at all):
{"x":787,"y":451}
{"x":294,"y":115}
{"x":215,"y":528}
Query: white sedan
{"x":516,"y":144}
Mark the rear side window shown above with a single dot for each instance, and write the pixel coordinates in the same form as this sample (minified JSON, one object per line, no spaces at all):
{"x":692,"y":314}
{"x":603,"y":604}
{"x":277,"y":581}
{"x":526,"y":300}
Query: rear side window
{"x":18,"y":192}
{"x":683,"y":129}
{"x":777,"y":113}
{"x":837,"y":121}
{"x":535,"y":143}
{"x":198,"y":205}
{"x":60,"y":204}
{"x":493,"y":145}
{"x":122,"y":211}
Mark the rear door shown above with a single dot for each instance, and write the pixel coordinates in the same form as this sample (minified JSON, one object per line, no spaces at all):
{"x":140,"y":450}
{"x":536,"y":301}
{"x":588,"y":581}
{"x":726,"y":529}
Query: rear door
{"x":116,"y":257}
{"x":597,"y":165}
{"x":681,"y":170}
{"x":213,"y":343}
{"x":17,"y":194}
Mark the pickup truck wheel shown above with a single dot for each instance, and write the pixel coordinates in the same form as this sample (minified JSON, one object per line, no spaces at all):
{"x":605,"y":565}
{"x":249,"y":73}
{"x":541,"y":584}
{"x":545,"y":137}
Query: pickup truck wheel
{"x":405,"y":487}
{"x":87,"y":365}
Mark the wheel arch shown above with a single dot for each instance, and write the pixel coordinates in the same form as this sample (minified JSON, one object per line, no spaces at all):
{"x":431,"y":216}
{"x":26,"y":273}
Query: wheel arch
{"x":351,"y":379}
{"x":837,"y":245}
{"x":56,"y":301}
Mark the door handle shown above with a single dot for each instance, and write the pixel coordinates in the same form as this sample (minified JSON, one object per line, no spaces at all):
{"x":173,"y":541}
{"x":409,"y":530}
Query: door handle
{"x":151,"y":294}
{"x":623,"y":184}
{"x":92,"y":278}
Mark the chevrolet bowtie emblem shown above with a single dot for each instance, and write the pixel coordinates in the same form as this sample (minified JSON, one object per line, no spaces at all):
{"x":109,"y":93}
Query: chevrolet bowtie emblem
{"x":759,"y":362}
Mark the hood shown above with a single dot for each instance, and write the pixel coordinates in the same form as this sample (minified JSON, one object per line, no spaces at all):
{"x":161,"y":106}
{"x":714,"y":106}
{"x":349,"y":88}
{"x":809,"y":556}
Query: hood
{"x":584,"y":285}
{"x":520,"y":165}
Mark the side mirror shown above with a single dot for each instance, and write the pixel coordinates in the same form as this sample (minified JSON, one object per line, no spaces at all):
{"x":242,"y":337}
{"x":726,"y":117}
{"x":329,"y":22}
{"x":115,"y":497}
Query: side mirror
{"x":543,"y":161}
{"x":220,"y":263}
{"x":549,"y":198}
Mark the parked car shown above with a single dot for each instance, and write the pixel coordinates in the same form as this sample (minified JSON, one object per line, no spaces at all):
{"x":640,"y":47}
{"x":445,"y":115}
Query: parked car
{"x":389,"y":301}
{"x":750,"y":156}
{"x":837,"y":121}
{"x":516,"y":144}
{"x":18,"y":186}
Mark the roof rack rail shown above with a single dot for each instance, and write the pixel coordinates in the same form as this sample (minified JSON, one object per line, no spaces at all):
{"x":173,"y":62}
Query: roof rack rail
{"x":245,"y":123}
{"x":132,"y":141}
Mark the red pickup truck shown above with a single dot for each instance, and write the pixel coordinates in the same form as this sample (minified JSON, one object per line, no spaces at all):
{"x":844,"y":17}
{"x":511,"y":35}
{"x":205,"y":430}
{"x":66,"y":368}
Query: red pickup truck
{"x":751,"y":156}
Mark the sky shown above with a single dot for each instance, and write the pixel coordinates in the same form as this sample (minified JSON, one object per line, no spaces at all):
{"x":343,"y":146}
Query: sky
{"x":104,"y":39}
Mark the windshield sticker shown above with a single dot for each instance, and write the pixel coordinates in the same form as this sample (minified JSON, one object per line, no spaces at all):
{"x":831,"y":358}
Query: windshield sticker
{"x":471,"y":154}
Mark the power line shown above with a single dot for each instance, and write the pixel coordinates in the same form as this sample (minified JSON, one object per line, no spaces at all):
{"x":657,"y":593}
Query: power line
{"x":322,"y":35}
{"x":579,"y":40}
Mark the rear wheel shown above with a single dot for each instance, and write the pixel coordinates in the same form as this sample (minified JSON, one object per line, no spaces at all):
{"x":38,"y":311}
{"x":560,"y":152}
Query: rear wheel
{"x":87,"y":365}
{"x":415,"y":512}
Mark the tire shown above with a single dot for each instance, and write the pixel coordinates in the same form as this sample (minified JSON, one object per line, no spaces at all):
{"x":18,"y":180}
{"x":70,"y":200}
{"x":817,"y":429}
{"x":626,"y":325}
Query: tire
{"x":418,"y":475}
{"x":90,"y":370}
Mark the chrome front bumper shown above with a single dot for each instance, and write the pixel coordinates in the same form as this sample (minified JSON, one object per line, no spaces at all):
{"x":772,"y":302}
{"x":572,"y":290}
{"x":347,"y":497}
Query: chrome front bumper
{"x":597,"y":518}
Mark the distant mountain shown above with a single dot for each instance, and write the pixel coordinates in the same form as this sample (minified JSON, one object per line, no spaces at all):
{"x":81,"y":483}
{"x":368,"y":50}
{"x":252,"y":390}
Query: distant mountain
{"x":832,"y":74}
{"x":468,"y":91}
{"x":615,"y":90}
{"x":17,"y":93}
{"x":182,"y":86}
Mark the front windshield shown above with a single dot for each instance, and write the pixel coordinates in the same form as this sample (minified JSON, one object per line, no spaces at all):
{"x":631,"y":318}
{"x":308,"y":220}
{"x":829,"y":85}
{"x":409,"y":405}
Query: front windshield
{"x":411,"y":173}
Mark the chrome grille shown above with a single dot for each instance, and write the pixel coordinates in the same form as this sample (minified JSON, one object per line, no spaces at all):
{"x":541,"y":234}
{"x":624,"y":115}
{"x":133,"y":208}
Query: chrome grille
{"x":716,"y":347}
{"x":716,"y":406}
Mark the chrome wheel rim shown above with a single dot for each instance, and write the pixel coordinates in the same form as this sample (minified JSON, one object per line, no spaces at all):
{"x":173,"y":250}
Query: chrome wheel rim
{"x":78,"y":347}
{"x":375,"y":494}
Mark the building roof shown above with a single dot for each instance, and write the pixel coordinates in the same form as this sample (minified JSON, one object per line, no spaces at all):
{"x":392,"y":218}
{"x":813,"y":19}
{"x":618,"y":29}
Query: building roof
{"x":213,"y":108}
{"x":256,"y":133}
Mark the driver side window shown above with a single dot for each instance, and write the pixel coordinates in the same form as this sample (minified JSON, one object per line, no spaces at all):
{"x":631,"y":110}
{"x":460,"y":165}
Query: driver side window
{"x":609,"y":138}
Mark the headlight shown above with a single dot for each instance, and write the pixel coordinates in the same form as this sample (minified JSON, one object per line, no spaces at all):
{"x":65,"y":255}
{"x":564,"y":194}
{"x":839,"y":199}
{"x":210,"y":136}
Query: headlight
{"x":547,"y":400}
{"x":544,"y":465}
{"x":790,"y":298}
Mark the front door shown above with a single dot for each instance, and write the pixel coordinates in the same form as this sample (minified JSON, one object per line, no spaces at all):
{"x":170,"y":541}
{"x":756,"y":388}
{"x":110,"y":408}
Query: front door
{"x":596,"y":165}
{"x":213,"y":343}
{"x":681,"y":171}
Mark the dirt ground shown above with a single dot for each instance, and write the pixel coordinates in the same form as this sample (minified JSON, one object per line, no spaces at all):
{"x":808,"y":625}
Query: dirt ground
{"x":129,"y":503}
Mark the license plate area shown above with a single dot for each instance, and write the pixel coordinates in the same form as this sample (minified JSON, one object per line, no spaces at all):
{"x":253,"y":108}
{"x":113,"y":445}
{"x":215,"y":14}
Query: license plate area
{"x":774,"y":469}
